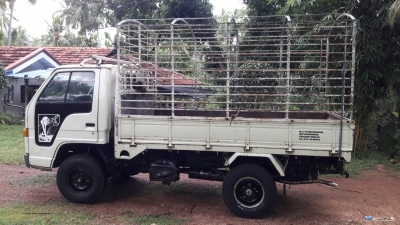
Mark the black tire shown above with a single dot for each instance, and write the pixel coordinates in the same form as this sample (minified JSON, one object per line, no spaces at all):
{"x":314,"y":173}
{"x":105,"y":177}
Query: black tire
{"x":80,"y":179}
{"x":249,"y":191}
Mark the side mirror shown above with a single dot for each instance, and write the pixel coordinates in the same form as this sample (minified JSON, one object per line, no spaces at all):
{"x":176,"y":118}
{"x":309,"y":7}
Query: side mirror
{"x":9,"y":97}
{"x":10,"y":94}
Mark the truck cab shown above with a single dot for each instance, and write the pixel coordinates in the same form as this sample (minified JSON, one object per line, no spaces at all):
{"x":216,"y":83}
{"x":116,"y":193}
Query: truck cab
{"x":73,"y":106}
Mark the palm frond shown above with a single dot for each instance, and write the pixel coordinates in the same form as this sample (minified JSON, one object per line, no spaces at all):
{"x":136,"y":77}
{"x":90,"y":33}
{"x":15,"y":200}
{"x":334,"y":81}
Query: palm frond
{"x":394,"y":12}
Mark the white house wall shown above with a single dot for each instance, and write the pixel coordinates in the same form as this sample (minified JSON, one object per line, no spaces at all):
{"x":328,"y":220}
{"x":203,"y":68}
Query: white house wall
{"x":17,"y":83}
{"x":33,"y":60}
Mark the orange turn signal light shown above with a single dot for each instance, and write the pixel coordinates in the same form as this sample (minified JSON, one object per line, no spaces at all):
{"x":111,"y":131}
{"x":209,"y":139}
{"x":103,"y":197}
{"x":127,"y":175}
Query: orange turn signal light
{"x":25,"y":132}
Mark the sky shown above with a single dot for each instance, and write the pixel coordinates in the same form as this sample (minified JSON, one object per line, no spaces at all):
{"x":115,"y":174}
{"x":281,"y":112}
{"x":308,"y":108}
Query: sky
{"x":33,"y":17}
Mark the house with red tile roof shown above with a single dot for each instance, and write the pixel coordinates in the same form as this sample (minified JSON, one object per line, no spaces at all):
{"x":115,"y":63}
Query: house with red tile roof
{"x":13,"y":57}
{"x":36,"y":64}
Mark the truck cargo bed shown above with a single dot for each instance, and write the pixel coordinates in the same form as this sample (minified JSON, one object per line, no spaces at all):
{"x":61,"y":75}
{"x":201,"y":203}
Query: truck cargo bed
{"x":271,"y":135}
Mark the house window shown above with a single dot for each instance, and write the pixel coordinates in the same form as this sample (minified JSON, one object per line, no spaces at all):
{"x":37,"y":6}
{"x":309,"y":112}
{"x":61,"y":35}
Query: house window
{"x":31,"y":91}
{"x":11,"y":93}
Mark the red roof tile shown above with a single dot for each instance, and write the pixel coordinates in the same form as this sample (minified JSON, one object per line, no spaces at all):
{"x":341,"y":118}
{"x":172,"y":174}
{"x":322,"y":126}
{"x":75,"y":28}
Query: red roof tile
{"x":28,"y":57}
{"x":70,"y":55}
{"x":12,"y":55}
{"x":65,"y":55}
{"x":164,"y":75}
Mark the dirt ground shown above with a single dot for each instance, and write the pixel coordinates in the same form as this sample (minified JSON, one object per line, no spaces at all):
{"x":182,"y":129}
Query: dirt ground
{"x":374,"y":193}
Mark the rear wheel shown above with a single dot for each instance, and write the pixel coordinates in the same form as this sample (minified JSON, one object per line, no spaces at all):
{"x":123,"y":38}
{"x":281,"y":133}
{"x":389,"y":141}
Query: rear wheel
{"x":249,"y":191}
{"x":80,"y":179}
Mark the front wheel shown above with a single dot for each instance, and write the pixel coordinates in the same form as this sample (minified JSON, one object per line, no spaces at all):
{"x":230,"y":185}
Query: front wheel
{"x":80,"y":179}
{"x":249,"y":191}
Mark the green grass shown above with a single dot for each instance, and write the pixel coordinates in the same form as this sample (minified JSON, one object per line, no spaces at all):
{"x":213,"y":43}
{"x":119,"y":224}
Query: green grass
{"x":38,"y":214}
{"x":12,"y":145}
{"x":40,"y":180}
{"x":367,"y":161}
{"x":160,"y":219}
{"x":43,"y":214}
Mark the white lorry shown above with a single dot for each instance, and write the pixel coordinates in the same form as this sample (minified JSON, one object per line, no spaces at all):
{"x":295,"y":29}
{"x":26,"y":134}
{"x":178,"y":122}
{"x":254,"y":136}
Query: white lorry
{"x":248,"y":102}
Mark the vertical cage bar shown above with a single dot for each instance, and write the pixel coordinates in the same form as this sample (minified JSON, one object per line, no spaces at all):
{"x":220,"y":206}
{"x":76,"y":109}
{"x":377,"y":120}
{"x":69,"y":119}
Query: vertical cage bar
{"x":117,"y":96}
{"x":353,"y":65}
{"x":141,"y":73}
{"x":327,"y":89}
{"x":288,"y":69}
{"x":228,"y":68}
{"x":342,"y":97}
{"x":172,"y":72}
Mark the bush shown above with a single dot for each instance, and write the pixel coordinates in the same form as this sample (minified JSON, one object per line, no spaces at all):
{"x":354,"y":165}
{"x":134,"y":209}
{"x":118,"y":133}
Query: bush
{"x":381,"y":131}
{"x":3,"y":119}
{"x":10,"y":119}
{"x":3,"y":77}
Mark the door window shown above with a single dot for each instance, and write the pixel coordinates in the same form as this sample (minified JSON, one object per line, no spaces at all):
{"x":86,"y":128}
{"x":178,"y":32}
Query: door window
{"x":55,"y":90}
{"x":69,"y":87}
{"x":81,"y":87}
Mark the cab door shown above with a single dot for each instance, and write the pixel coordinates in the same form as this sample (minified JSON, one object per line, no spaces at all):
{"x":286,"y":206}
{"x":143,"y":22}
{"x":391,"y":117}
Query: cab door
{"x":66,"y":110}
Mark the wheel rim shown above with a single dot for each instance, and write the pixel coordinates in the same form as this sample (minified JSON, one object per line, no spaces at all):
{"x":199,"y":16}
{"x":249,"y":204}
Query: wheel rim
{"x":249,"y":192}
{"x":80,"y":180}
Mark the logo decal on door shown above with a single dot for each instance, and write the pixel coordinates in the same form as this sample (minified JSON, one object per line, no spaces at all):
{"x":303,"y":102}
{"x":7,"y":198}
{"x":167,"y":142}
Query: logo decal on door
{"x":47,"y":127}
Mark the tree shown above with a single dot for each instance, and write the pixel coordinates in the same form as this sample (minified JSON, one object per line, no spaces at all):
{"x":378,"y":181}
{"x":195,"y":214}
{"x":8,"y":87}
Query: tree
{"x":132,"y":9}
{"x":60,"y":34}
{"x":3,"y":77}
{"x":3,"y":83}
{"x":74,"y":40}
{"x":110,"y":42}
{"x":11,"y":2}
{"x":90,"y":16}
{"x":87,"y":16}
{"x":20,"y":37}
{"x":394,"y":12}
{"x":377,"y":59}
{"x":186,"y":9}
{"x":4,"y":18}
{"x":55,"y":33}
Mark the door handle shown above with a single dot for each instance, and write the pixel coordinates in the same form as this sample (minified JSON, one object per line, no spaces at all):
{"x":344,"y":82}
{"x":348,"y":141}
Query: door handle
{"x":90,"y":124}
